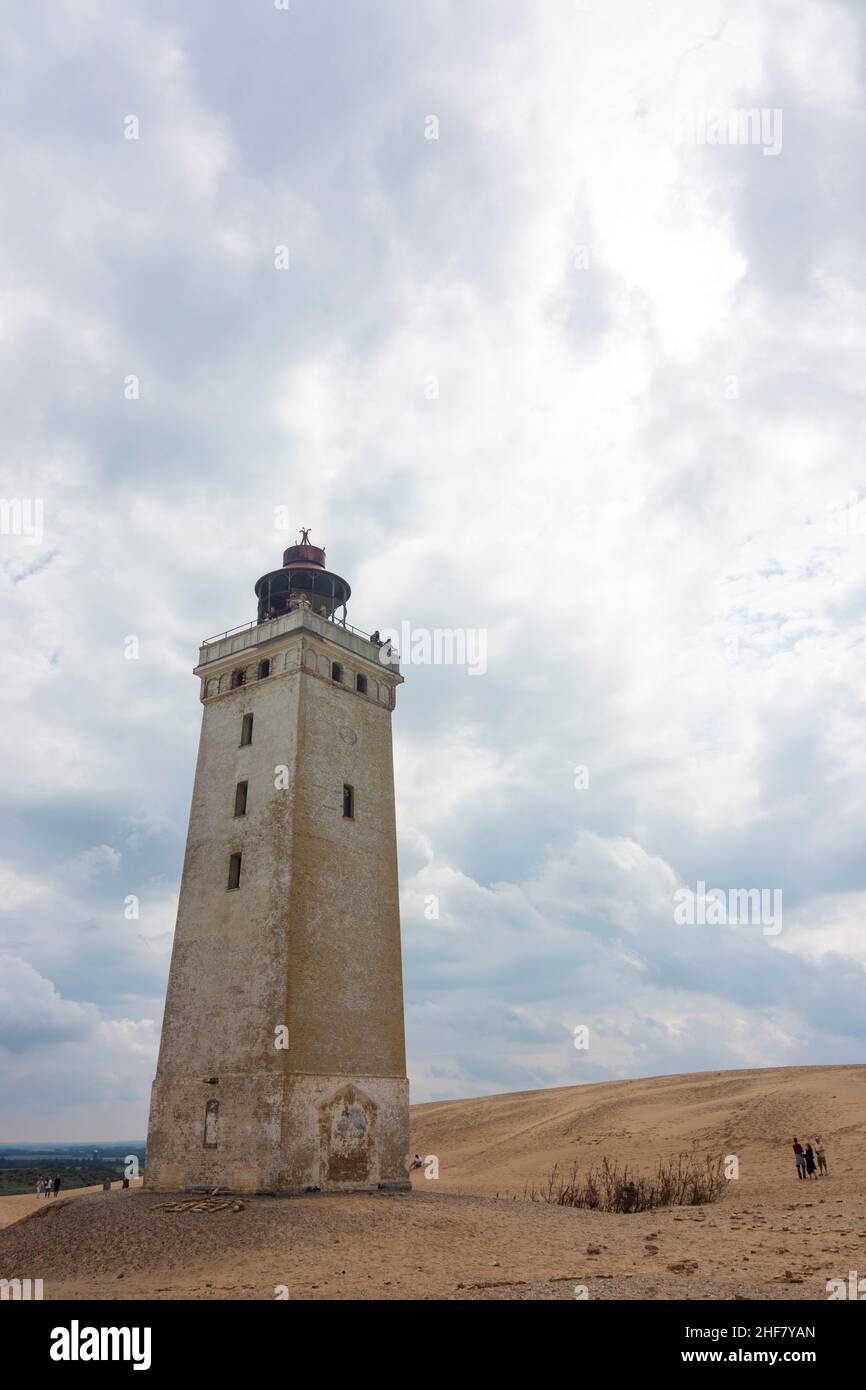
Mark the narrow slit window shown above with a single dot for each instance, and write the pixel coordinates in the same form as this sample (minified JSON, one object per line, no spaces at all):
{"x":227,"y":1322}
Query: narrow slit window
{"x":211,"y":1123}
{"x":361,"y":684}
{"x":238,"y":678}
{"x":348,"y":801}
{"x":247,"y":729}
{"x":241,"y":798}
{"x":264,"y":669}
{"x":235,"y":871}
{"x":336,"y":671}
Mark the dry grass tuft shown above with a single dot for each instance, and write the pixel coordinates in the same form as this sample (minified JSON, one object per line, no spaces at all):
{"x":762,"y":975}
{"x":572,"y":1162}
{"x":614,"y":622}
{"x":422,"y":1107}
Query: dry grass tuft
{"x":683,"y":1181}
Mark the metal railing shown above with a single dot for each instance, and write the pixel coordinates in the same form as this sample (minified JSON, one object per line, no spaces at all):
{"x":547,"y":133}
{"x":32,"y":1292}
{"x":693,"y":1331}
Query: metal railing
{"x":248,"y":627}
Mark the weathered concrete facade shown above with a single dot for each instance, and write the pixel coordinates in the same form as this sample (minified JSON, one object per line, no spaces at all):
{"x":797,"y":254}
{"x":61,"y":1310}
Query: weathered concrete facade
{"x":282,"y":1062}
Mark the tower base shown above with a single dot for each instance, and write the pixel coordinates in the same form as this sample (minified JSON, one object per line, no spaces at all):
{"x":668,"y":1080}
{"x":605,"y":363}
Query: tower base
{"x":271,"y":1133}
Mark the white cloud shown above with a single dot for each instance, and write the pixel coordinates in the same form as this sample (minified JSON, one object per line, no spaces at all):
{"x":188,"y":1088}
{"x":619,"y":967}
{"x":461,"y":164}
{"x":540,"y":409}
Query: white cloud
{"x":627,"y":477}
{"x":94,"y":862}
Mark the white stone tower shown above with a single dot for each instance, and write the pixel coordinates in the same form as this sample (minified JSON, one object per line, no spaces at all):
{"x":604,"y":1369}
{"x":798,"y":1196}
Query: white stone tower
{"x":282,"y":1062}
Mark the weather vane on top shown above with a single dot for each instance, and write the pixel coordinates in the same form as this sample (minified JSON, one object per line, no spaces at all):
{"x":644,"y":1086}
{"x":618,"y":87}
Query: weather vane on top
{"x":305,"y":535}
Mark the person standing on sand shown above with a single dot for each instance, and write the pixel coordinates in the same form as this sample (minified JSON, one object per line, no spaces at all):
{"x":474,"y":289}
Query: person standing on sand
{"x":821,"y":1155}
{"x":799,"y":1158}
{"x":56,"y":1186}
{"x":40,"y":1186}
{"x":106,"y":1184}
{"x":811,"y":1170}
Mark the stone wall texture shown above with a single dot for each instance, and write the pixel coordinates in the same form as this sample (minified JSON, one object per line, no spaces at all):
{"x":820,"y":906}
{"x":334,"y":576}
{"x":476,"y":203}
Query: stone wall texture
{"x":305,"y":951}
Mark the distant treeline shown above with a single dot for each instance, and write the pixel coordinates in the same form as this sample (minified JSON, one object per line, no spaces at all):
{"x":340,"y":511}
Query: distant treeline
{"x":15,"y":1181}
{"x":22,"y":1155}
{"x":83,"y":1172}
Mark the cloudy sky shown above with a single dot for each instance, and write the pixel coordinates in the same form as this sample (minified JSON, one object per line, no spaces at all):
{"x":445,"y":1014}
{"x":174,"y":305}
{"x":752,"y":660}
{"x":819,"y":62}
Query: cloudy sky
{"x":550,"y":360}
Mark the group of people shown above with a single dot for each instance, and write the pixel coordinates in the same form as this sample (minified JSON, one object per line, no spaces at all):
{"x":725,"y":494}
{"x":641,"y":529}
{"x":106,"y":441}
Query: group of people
{"x":47,"y":1187}
{"x":811,"y":1161}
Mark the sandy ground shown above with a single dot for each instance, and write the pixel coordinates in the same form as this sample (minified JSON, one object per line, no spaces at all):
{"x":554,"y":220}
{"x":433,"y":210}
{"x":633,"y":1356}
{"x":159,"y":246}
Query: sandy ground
{"x":502,"y":1143}
{"x":13,"y":1208}
{"x":769,"y":1237}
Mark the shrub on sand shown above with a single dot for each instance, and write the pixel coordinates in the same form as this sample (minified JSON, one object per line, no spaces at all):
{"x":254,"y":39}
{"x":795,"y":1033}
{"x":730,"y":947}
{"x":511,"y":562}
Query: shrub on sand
{"x":684,"y":1181}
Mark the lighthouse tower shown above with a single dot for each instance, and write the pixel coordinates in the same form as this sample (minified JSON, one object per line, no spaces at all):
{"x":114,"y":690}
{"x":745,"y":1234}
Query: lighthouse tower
{"x":282,"y":1061}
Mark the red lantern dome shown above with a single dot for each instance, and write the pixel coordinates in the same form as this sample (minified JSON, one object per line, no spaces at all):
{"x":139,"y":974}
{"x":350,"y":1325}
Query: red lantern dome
{"x":302,"y":579}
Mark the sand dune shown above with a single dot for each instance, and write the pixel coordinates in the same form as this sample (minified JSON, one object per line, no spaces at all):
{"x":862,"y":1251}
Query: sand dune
{"x":500,"y":1143}
{"x":769,"y":1237}
{"x":13,"y":1208}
